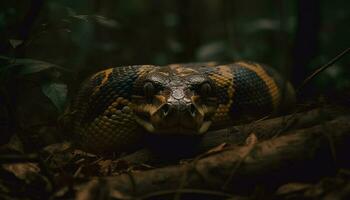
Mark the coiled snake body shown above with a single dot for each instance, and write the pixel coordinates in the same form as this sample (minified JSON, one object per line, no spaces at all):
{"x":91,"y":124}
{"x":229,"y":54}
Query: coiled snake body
{"x":114,"y":108}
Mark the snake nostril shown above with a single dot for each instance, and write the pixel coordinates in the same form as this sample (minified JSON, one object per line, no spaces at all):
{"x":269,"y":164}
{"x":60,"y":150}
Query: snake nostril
{"x":166,"y":109}
{"x":192,"y":110}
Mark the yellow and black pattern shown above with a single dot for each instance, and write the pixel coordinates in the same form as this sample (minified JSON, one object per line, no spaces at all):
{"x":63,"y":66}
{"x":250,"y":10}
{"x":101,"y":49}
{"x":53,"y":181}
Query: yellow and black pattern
{"x":103,"y":119}
{"x":117,"y":106}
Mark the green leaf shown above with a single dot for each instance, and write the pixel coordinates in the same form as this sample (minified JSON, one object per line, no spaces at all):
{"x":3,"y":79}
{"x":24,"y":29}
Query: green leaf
{"x":26,"y":66}
{"x":21,"y":67}
{"x":30,"y":66}
{"x":15,"y":43}
{"x":99,"y":19}
{"x":57,"y":93}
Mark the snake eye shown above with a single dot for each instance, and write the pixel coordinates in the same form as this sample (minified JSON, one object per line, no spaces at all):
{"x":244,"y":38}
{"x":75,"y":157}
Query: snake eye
{"x":149,"y":90}
{"x":205,"y":89}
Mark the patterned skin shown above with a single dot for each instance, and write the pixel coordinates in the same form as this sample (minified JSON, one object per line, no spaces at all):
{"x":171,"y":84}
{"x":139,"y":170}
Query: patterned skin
{"x":116,"y":107}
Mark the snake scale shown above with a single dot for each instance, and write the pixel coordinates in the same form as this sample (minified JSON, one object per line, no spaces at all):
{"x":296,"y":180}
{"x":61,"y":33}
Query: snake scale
{"x":116,"y":107}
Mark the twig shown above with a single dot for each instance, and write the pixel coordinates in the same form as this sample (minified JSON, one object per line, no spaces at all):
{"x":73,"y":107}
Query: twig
{"x":185,"y":191}
{"x":324,"y":67}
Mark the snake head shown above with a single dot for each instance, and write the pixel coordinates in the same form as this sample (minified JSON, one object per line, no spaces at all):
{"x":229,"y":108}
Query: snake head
{"x":172,"y":101}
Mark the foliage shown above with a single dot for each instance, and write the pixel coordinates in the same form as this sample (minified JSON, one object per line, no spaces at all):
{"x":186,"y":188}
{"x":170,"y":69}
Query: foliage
{"x":90,"y":35}
{"x":27,"y":88}
{"x":21,"y":68}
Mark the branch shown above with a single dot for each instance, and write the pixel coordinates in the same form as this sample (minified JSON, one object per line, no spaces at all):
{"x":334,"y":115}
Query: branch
{"x":304,"y":155}
{"x":234,"y":135}
{"x":322,"y":68}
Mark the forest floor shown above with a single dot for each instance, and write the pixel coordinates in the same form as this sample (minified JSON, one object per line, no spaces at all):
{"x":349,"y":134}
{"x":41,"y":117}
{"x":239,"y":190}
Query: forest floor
{"x":303,"y":155}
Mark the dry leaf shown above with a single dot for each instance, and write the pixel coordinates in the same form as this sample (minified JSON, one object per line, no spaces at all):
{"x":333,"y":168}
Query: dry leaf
{"x":22,"y":170}
{"x":251,"y":139}
{"x":218,"y":148}
{"x":292,"y":188}
{"x":105,"y":166}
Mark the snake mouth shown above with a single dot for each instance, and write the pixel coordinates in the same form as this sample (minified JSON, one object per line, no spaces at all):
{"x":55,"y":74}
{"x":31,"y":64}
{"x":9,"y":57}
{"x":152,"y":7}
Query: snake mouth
{"x":177,"y":119}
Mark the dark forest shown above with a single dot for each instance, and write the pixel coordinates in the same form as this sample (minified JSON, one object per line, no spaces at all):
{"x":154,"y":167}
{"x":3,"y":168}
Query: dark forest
{"x":55,"y":57}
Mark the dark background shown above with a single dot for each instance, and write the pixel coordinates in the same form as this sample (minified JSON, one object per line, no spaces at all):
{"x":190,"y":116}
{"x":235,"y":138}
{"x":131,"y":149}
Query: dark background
{"x":87,"y":35}
{"x":49,"y":46}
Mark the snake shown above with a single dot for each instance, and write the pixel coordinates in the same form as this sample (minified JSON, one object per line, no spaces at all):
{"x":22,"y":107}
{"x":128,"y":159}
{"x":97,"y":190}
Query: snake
{"x":116,"y":107}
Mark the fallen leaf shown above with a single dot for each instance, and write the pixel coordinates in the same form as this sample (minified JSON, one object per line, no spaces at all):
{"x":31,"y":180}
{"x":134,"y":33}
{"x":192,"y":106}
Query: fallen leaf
{"x":105,"y":166}
{"x":251,"y":140}
{"x":15,"y":43}
{"x":22,"y":170}
{"x":58,"y":147}
{"x":292,"y":188}
{"x":217,"y":148}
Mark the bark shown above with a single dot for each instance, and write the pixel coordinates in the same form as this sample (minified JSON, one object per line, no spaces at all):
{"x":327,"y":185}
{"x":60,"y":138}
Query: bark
{"x":236,"y":135}
{"x":302,"y":155}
